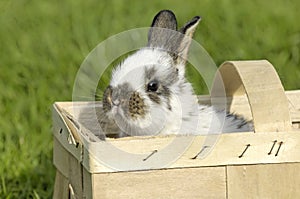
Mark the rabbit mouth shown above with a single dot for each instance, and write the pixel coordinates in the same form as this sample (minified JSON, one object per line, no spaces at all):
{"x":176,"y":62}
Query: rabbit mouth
{"x":115,"y":110}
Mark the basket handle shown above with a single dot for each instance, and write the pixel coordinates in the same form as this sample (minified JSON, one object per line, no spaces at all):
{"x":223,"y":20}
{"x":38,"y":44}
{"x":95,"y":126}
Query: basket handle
{"x":262,"y":86}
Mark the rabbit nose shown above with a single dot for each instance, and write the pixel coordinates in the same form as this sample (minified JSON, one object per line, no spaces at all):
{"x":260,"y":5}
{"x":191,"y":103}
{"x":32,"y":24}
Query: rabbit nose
{"x":111,"y":96}
{"x":116,"y":102}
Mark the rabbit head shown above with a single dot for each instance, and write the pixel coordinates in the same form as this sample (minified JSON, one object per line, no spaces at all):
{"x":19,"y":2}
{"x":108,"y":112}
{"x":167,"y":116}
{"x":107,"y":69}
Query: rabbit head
{"x":148,"y":93}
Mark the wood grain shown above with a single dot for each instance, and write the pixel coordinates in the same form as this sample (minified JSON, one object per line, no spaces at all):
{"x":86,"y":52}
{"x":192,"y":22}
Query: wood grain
{"x":264,"y":181}
{"x":61,"y":190}
{"x":174,"y":183}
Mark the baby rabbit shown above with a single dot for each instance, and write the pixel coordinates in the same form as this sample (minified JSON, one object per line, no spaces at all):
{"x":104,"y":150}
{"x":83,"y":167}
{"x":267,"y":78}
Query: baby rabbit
{"x":148,"y":93}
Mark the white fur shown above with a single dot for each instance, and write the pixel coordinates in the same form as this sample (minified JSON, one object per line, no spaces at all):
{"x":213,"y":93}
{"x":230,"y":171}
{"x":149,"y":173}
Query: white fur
{"x":132,"y":69}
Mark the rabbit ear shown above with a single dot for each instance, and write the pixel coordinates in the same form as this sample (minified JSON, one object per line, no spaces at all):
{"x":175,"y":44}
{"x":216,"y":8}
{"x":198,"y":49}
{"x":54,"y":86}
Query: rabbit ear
{"x":163,"y":34}
{"x":163,"y":24}
{"x":188,"y":30}
{"x":165,"y":19}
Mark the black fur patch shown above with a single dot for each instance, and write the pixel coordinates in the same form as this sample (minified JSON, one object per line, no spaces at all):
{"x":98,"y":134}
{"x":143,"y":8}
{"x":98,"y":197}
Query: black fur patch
{"x":154,"y":97}
{"x":189,"y":24}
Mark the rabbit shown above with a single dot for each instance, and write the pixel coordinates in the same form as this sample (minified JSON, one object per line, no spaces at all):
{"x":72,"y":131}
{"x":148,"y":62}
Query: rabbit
{"x":148,"y":93}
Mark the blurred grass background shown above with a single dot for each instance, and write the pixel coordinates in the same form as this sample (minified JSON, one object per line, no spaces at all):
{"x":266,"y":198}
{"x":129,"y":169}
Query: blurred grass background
{"x":43,"y":43}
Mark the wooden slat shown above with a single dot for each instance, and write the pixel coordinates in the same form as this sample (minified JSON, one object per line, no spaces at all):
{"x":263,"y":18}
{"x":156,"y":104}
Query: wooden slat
{"x":264,"y":181}
{"x":265,"y":93}
{"x":88,"y":185}
{"x":61,"y":189}
{"x":294,"y":105}
{"x":75,"y":177}
{"x":60,"y":158}
{"x":100,"y":157}
{"x":239,"y":104}
{"x":174,"y":183}
{"x":63,"y":131}
{"x":70,"y":173}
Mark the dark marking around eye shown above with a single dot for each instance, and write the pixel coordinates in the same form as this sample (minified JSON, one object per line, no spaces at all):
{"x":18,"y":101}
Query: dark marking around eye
{"x":150,"y":72}
{"x":169,"y":107}
{"x":165,"y":91}
{"x":154,"y":97}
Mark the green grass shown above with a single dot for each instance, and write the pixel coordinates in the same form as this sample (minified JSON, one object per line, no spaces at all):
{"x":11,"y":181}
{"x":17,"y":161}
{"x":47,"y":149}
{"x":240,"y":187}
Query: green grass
{"x":42,"y":44}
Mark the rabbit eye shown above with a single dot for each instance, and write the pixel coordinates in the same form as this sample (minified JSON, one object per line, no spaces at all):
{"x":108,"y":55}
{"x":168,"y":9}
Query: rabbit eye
{"x":152,"y":86}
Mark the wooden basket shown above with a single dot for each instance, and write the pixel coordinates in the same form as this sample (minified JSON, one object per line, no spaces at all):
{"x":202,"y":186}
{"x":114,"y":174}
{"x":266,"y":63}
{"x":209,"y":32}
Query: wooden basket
{"x":260,"y":164}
